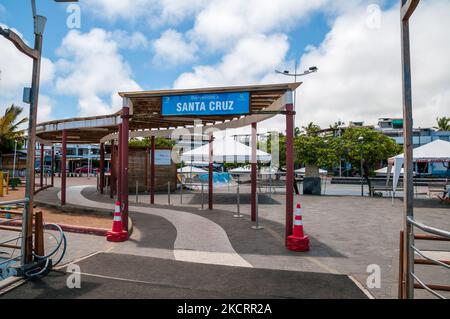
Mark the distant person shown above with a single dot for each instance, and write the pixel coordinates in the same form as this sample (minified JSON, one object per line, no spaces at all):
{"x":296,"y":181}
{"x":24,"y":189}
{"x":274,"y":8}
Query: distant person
{"x":446,"y":196}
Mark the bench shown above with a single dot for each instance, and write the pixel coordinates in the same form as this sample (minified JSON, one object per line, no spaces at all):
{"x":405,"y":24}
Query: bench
{"x":439,"y":188}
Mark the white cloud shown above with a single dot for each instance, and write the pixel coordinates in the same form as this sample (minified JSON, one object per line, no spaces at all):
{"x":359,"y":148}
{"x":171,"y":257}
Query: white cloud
{"x":133,"y":41}
{"x":92,"y":69}
{"x":360,"y":68}
{"x":45,"y":108}
{"x":248,"y":62}
{"x":154,"y":12}
{"x":359,"y":64}
{"x":173,"y":49}
{"x":222,"y":23}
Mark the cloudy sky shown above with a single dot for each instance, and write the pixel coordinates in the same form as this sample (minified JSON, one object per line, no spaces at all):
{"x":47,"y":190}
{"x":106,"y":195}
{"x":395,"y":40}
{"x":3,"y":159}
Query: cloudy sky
{"x":153,"y":44}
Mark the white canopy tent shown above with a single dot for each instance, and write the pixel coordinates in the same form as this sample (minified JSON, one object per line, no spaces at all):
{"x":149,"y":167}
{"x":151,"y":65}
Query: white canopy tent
{"x":384,"y":171}
{"x":191,"y":169}
{"x":225,"y":150}
{"x":437,"y":151}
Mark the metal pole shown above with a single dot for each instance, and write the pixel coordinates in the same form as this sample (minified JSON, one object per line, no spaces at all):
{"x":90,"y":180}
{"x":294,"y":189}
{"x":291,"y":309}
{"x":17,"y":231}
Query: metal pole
{"x":15,"y":154}
{"x":362,"y":175}
{"x":168,"y":193}
{"x":254,"y":173}
{"x":102,"y":167}
{"x":238,"y":200}
{"x":407,"y":9}
{"x":210,"y":174}
{"x":89,"y":162}
{"x":257,"y":226}
{"x":289,"y":165}
{"x":203,"y":196}
{"x":52,"y":168}
{"x":41,"y":166}
{"x":63,"y":167}
{"x":152,"y":171}
{"x":181,"y":193}
{"x":112,"y":176}
{"x":137,"y":191}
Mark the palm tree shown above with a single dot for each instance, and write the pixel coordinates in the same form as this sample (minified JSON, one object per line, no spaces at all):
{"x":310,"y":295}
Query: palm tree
{"x":443,"y":124}
{"x":311,"y":129}
{"x":9,"y":128}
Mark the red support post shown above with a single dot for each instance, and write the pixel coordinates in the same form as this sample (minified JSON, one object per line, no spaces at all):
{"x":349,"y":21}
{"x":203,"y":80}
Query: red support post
{"x":152,"y":171}
{"x":102,"y":167}
{"x":210,"y":173}
{"x":254,"y":176}
{"x":63,"y":167}
{"x":124,"y":143}
{"x":112,"y":167}
{"x":53,"y":167}
{"x":119,"y":166}
{"x":289,"y":167}
{"x":41,"y":166}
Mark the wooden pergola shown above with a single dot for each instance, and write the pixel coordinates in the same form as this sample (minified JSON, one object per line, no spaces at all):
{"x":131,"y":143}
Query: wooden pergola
{"x":142,"y":116}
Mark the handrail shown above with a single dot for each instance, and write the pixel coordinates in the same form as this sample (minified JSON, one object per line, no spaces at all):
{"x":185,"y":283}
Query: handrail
{"x":429,"y":229}
{"x":435,"y":231}
{"x":435,"y":261}
{"x":431,"y":291}
{"x":15,"y":202}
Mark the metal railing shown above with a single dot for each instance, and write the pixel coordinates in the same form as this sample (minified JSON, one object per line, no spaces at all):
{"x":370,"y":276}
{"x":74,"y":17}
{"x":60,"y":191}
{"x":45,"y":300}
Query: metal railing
{"x":439,"y":235}
{"x":6,"y":243}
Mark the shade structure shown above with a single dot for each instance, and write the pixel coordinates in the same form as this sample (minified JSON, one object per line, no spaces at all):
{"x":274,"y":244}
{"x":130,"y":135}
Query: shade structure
{"x":225,"y":150}
{"x":437,"y":151}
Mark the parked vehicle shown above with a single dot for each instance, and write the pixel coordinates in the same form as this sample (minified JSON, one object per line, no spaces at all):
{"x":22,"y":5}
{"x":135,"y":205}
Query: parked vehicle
{"x":47,"y":169}
{"x":85,"y":169}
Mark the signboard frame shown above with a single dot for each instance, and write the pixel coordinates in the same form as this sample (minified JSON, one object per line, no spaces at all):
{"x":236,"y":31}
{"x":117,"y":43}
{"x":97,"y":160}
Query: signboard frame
{"x":206,"y":104}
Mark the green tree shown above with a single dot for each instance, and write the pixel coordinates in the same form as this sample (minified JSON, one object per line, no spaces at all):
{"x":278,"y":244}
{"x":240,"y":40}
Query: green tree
{"x":9,"y":128}
{"x":315,"y":151}
{"x":146,"y":142}
{"x":374,"y":148}
{"x":311,"y":129}
{"x":443,"y":124}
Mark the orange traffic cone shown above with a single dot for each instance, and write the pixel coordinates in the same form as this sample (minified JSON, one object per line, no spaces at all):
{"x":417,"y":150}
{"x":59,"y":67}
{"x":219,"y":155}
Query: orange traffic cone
{"x":298,"y":241}
{"x":117,"y":234}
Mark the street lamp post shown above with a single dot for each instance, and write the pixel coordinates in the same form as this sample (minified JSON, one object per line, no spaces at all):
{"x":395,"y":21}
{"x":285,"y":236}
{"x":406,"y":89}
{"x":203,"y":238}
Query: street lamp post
{"x":312,"y":69}
{"x":361,"y":142}
{"x":407,"y":9}
{"x":34,"y":53}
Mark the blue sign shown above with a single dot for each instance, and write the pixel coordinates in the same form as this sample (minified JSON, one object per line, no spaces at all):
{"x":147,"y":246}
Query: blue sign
{"x":206,"y":104}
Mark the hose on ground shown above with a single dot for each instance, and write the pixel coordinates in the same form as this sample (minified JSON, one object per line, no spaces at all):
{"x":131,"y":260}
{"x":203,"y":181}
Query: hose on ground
{"x":61,"y":241}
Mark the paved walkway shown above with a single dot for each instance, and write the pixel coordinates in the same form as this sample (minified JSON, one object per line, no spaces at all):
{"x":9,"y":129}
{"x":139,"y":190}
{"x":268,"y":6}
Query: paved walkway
{"x":198,"y":239}
{"x":108,"y":275}
{"x":199,"y":254}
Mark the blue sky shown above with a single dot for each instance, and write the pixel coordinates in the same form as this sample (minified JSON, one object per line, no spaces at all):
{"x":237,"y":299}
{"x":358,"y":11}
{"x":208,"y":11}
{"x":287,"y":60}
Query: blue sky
{"x":203,"y":43}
